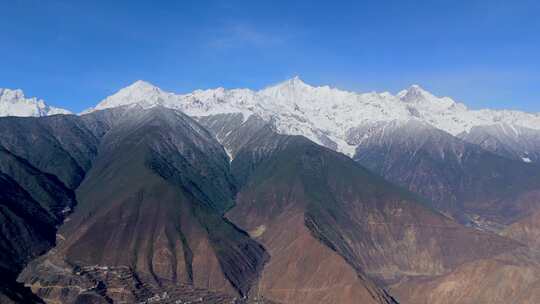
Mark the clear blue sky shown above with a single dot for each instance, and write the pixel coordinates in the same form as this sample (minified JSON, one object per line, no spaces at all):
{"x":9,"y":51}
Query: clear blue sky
{"x":74,"y":53}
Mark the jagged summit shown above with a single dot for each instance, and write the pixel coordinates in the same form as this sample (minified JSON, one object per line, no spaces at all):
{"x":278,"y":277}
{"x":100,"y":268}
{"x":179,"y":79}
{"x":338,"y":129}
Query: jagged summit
{"x":14,"y":103}
{"x":415,"y":93}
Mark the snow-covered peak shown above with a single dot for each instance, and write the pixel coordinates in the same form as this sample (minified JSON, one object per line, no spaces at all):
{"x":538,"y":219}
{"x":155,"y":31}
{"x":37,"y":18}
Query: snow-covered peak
{"x":139,"y":86}
{"x":140,"y":92}
{"x":142,"y":87}
{"x":293,"y":84}
{"x":14,"y":103}
{"x":292,"y":89}
{"x":416,"y":94}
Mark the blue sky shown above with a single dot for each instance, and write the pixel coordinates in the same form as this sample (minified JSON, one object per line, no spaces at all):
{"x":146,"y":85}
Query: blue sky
{"x":74,"y":53}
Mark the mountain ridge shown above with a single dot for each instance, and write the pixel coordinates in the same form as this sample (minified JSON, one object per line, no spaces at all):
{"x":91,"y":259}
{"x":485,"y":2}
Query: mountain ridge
{"x":322,"y":113}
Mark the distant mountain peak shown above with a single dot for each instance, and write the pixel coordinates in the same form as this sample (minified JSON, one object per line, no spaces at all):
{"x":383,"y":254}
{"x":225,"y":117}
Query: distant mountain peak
{"x":415,"y":93}
{"x":291,"y":84}
{"x":142,"y":85}
{"x":294,"y":90}
{"x":417,"y":87}
{"x":14,"y":103}
{"x":295,"y":81}
{"x":417,"y":96}
{"x":140,"y":92}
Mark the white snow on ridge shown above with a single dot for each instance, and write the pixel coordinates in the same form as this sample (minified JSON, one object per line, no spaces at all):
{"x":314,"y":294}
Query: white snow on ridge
{"x":322,"y":113}
{"x":14,"y":103}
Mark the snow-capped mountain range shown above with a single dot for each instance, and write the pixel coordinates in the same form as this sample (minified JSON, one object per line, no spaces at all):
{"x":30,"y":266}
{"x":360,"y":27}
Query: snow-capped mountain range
{"x":14,"y":103}
{"x":323,"y":114}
